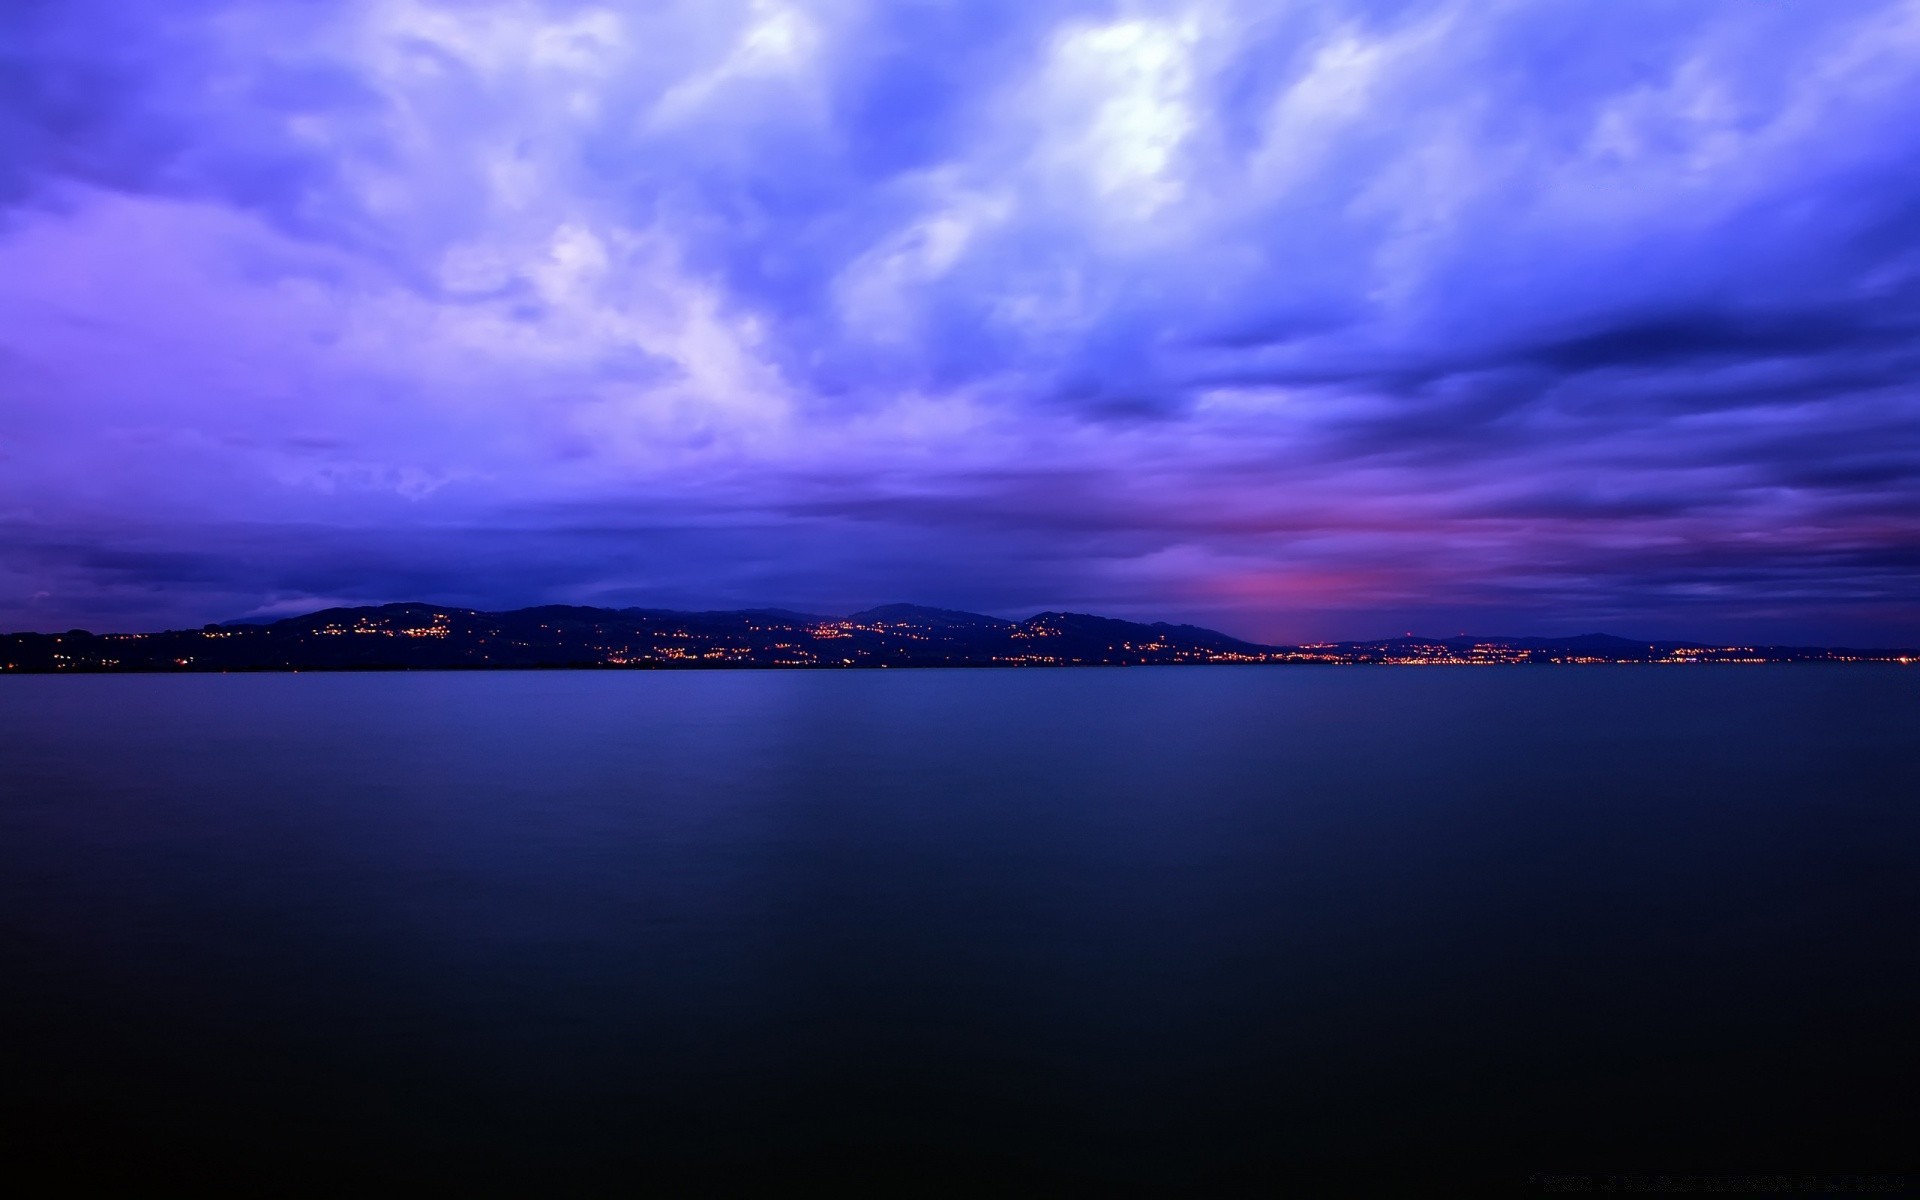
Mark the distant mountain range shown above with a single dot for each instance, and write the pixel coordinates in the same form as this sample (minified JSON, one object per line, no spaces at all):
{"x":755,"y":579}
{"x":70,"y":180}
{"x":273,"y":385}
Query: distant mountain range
{"x":425,"y":636}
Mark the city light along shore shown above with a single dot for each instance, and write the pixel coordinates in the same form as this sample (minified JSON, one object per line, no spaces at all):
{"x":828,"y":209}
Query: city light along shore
{"x":429,"y":637}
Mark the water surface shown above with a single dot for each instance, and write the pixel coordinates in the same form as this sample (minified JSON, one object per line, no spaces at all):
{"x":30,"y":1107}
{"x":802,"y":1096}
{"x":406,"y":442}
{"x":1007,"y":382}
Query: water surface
{"x":1093,"y":928}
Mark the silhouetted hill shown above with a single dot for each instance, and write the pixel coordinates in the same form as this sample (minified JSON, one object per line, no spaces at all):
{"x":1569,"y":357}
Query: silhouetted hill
{"x":935,"y":618}
{"x":1088,"y":630}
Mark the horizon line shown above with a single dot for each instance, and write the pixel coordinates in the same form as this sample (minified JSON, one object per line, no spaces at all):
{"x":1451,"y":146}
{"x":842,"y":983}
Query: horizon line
{"x":782,"y":610}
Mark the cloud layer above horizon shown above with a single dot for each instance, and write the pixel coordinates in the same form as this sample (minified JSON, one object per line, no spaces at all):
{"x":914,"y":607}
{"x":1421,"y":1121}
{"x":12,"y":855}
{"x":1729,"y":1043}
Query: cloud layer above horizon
{"x":1301,"y":320}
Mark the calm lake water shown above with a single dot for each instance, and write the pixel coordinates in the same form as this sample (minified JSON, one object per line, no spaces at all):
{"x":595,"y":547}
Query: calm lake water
{"x":1091,"y":929}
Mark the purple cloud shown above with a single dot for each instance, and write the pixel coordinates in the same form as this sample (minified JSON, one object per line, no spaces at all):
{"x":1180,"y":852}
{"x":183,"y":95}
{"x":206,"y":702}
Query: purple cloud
{"x":1324,"y":321}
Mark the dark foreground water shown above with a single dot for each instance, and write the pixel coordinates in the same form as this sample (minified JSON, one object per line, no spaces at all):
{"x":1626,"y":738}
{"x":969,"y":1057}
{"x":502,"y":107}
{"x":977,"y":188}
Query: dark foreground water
{"x":1160,"y":929}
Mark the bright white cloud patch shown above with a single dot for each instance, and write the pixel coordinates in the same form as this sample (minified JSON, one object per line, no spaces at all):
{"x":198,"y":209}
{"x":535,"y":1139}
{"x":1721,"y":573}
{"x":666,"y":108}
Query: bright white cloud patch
{"x":1122,"y":93}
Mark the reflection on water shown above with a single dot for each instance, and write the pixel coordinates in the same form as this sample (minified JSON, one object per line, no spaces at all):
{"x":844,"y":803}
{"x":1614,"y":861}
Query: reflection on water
{"x":1118,"y":928}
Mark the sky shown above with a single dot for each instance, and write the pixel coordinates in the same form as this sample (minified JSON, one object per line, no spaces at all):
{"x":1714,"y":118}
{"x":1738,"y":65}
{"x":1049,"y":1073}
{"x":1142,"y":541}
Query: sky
{"x":1301,"y":320}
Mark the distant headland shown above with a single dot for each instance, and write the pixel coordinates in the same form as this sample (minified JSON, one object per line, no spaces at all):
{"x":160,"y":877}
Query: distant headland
{"x":429,"y":637}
